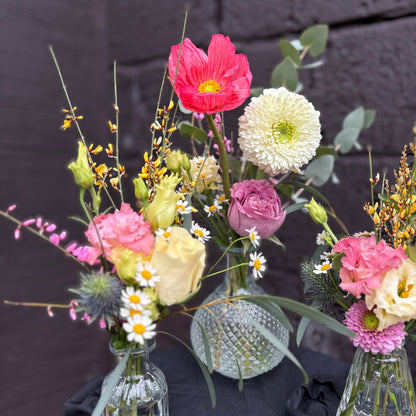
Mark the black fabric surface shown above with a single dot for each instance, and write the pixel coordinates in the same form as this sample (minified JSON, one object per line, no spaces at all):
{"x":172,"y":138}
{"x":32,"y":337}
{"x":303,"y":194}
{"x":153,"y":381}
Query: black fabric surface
{"x":280,"y":392}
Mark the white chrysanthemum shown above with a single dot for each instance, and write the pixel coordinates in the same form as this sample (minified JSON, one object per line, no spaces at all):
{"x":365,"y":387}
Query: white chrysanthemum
{"x":279,"y":131}
{"x":139,"y":328}
{"x":146,"y":275}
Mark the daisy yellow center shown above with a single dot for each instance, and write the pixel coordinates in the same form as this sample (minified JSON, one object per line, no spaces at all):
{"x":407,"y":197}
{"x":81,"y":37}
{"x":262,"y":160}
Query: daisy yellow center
{"x":166,"y":234}
{"x":134,"y":299}
{"x":139,"y":329}
{"x":209,"y":86}
{"x":146,"y":274}
{"x":257,"y":264}
{"x":325,"y":267}
{"x":134,"y":312}
{"x":180,"y":207}
{"x":199,"y":233}
{"x":212,"y":208}
{"x":370,"y":320}
{"x":283,"y":131}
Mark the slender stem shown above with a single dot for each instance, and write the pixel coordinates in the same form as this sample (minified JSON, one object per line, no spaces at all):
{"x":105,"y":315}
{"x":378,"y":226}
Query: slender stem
{"x":225,"y":270}
{"x":223,"y":156}
{"x":35,"y":304}
{"x":117,"y":134}
{"x":330,"y":233}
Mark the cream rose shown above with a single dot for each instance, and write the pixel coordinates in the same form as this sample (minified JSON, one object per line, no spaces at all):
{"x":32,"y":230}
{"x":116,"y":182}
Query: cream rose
{"x":207,"y":177}
{"x":179,"y":262}
{"x":395,"y":299}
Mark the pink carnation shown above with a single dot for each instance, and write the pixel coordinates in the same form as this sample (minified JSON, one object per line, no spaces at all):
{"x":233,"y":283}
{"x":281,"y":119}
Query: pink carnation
{"x":124,"y":228}
{"x":368,"y":338}
{"x":365,"y":263}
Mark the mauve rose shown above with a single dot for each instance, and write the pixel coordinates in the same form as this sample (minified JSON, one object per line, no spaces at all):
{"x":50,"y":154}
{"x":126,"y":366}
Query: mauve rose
{"x":255,"y":204}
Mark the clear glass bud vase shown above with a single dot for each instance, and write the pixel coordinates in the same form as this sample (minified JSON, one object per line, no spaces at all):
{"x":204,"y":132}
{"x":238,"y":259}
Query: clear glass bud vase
{"x":141,"y":389}
{"x":378,"y":385}
{"x":237,"y":348}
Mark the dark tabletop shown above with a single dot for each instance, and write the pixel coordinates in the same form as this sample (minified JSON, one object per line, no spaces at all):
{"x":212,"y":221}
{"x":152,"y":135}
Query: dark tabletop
{"x":280,"y":392}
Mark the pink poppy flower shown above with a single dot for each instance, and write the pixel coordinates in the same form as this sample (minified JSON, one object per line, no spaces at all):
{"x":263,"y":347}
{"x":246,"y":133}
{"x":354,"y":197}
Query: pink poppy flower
{"x":210,"y":84}
{"x":365,"y":263}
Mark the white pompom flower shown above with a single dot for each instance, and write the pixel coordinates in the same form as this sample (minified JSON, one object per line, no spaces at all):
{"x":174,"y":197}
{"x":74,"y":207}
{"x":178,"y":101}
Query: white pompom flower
{"x":279,"y":131}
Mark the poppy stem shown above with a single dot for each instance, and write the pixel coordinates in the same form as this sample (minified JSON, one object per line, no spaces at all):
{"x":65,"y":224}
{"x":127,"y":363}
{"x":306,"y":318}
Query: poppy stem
{"x":223,"y":156}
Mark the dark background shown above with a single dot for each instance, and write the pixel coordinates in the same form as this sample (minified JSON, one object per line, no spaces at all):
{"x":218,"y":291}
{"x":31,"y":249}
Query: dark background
{"x":369,"y":61}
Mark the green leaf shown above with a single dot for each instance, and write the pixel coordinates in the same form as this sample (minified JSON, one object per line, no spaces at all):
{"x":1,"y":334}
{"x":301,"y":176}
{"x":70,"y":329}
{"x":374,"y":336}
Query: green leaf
{"x":369,"y":116}
{"x":289,"y":51}
{"x":272,"y":308}
{"x":188,"y":131}
{"x":411,"y":253}
{"x":354,"y":119}
{"x":303,"y":324}
{"x":285,"y":75}
{"x":312,"y":191}
{"x":207,"y":349}
{"x":204,"y":370}
{"x":336,"y":261}
{"x":346,"y":139}
{"x":295,"y":207}
{"x":325,"y":150}
{"x":320,"y":169}
{"x":275,"y":341}
{"x":256,"y":91}
{"x":315,"y":38}
{"x":240,"y":377}
{"x":313,"y":65}
{"x":276,"y":241}
{"x":284,"y":189}
{"x":112,"y":381}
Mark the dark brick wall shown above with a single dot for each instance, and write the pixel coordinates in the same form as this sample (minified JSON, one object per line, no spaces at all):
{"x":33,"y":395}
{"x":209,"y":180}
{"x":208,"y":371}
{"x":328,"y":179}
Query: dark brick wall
{"x":369,"y":61}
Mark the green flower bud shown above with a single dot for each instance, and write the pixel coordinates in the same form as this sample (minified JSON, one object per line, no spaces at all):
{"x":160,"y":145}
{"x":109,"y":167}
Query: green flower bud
{"x":173,"y":161}
{"x":317,"y":212}
{"x":81,"y":169}
{"x":140,"y":189}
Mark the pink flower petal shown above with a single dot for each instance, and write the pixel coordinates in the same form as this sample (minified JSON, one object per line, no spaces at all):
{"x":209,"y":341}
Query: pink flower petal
{"x":50,"y":228}
{"x":54,"y":239}
{"x":11,"y":208}
{"x":50,"y":312}
{"x":17,"y":233}
{"x":28,"y":222}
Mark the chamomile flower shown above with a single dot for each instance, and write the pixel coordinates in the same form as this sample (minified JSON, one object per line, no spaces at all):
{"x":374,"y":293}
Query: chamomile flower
{"x":165,"y":234}
{"x":183,"y":207}
{"x":127,"y":312}
{"x":222,"y":199}
{"x":139,"y":328}
{"x":146,"y":275}
{"x":254,"y":237}
{"x":211,"y":210}
{"x":201,"y":233}
{"x":258,"y":262}
{"x":322,"y":238}
{"x":322,"y":268}
{"x":134,"y":299}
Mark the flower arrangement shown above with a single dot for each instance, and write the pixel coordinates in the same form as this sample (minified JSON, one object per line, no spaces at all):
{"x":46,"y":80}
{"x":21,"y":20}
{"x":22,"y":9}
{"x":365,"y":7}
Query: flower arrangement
{"x":371,"y":276}
{"x":142,"y":257}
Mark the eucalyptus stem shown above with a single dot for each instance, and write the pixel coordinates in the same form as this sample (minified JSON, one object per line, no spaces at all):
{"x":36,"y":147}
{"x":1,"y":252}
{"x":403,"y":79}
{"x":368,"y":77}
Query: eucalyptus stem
{"x":223,"y":156}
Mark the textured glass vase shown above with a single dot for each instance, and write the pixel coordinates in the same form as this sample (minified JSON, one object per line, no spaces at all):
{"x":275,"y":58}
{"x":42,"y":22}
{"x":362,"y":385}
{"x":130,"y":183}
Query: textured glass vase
{"x":378,"y":385}
{"x":141,"y":389}
{"x":236,"y":346}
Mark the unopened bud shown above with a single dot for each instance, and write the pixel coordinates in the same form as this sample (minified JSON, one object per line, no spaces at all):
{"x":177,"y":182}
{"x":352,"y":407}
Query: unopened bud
{"x":81,"y":169}
{"x":317,"y":212}
{"x":140,"y":189}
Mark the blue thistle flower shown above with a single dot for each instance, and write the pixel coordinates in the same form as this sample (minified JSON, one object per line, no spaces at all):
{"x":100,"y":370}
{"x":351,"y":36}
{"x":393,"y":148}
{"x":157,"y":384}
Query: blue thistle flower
{"x":100,"y":295}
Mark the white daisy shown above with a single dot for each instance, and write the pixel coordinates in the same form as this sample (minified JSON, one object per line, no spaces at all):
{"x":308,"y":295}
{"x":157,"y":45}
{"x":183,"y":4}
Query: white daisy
{"x":165,"y":234}
{"x":322,"y":268}
{"x":322,"y":238}
{"x":211,"y":210}
{"x":257,"y":261}
{"x":279,"y":131}
{"x":222,"y":199}
{"x":139,"y":328}
{"x":254,"y":237}
{"x":183,"y":207}
{"x":127,"y":312}
{"x":134,"y":299}
{"x":201,"y":233}
{"x":146,"y":275}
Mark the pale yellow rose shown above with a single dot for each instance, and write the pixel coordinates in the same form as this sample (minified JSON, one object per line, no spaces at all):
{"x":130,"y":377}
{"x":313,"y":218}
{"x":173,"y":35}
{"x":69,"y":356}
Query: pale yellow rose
{"x":179,"y":262}
{"x":395,"y":299}
{"x":207,"y":177}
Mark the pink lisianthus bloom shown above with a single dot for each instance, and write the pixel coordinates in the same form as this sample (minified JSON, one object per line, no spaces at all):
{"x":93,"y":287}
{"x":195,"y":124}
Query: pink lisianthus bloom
{"x":365,"y":263}
{"x":210,"y":84}
{"x":124,"y":228}
{"x":255,"y":203}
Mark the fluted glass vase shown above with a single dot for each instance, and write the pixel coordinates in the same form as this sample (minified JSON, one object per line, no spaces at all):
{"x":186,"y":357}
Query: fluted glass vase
{"x":141,"y":389}
{"x":378,"y":385}
{"x":237,"y":348}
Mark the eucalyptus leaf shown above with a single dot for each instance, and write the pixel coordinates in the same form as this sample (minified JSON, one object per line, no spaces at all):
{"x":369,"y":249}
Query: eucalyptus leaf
{"x":256,"y":91}
{"x":320,"y":169}
{"x":207,"y":349}
{"x":303,"y":325}
{"x":240,"y":377}
{"x":315,"y":38}
{"x":111,"y":383}
{"x":325,"y":150}
{"x":312,"y":191}
{"x":312,"y":65}
{"x":285,"y":75}
{"x":346,"y":138}
{"x":369,"y":116}
{"x":289,"y":51}
{"x":354,"y":119}
{"x":275,"y":240}
{"x":188,"y":131}
{"x":204,"y":370}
